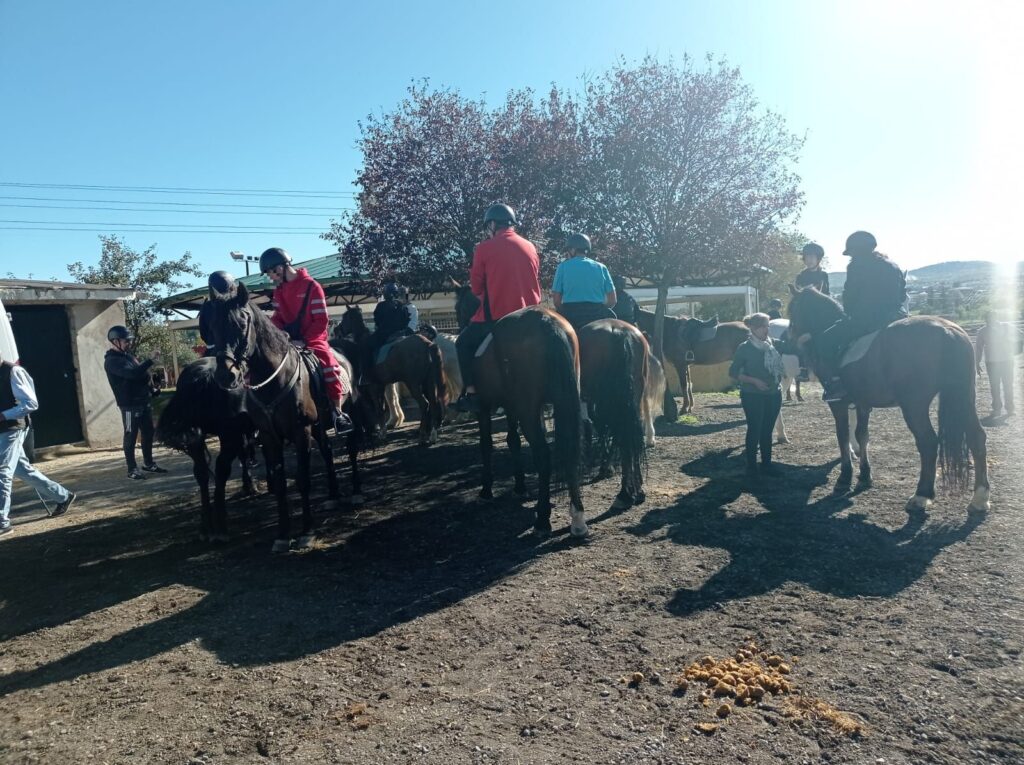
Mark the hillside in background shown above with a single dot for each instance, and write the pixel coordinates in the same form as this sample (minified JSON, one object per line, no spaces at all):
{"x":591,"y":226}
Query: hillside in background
{"x":962,"y":273}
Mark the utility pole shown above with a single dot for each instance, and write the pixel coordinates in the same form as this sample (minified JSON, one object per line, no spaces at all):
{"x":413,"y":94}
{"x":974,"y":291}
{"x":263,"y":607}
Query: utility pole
{"x":247,"y":259}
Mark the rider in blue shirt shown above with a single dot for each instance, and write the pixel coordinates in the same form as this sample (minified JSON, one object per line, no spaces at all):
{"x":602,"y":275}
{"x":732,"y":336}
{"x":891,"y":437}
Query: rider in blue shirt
{"x":583,"y":290}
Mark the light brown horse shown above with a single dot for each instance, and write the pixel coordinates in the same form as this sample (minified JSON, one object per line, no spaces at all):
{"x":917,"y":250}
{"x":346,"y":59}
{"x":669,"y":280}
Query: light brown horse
{"x":907,"y":365}
{"x":684,"y":344}
{"x":613,"y":377}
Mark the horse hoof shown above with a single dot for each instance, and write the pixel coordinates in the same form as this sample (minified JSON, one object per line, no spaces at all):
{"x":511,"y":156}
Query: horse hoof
{"x":305,"y":541}
{"x":842,"y":487}
{"x":622,"y":501}
{"x":650,"y":442}
{"x":784,"y":440}
{"x":357,"y":499}
{"x":640,"y":498}
{"x":980,"y":501}
{"x":281,"y":546}
{"x":917,"y":502}
{"x":863,"y":484}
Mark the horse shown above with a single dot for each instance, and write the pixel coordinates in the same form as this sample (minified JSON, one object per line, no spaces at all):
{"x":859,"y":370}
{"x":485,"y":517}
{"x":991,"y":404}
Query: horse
{"x":532,"y":359}
{"x":287,"y":404}
{"x":613,"y":380}
{"x":654,"y":397}
{"x":198,"y":409}
{"x":777,"y":329}
{"x":693,"y":341}
{"x":452,"y":377}
{"x":412,"y":360}
{"x":907,"y":364}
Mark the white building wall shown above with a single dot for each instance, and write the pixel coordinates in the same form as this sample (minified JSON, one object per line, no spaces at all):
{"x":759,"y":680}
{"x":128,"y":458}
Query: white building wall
{"x":101,"y":421}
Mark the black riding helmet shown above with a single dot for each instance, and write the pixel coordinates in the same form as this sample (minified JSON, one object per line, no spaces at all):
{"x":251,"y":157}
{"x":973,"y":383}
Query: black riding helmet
{"x":814,"y":249}
{"x":501,"y":214}
{"x":119,"y":332}
{"x":272,"y":258}
{"x":220,"y":283}
{"x":579,"y":242}
{"x":860,"y":243}
{"x":775,"y":303}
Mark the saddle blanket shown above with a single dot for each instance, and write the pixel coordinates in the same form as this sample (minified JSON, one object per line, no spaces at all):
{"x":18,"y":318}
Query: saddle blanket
{"x":483,"y":346}
{"x":858,"y":348}
{"x":384,"y":350}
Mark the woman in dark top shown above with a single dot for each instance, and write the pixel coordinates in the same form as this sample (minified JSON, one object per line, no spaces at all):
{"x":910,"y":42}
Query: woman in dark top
{"x":813,"y":275}
{"x":757,"y":367}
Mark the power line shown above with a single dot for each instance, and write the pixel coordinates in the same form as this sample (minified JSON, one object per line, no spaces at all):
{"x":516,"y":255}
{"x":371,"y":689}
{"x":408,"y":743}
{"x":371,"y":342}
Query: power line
{"x":184,"y":189}
{"x":109,"y":229}
{"x":176,"y":204}
{"x":175,"y":212}
{"x":108,"y":223}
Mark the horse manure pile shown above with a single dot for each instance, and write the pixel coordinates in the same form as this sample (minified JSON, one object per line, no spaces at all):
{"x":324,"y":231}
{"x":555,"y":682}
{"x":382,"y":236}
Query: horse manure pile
{"x":745,"y":678}
{"x":817,"y":710}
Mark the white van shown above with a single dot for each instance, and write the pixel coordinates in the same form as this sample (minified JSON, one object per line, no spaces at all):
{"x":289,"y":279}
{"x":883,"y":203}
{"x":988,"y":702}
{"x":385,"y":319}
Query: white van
{"x":8,"y":348}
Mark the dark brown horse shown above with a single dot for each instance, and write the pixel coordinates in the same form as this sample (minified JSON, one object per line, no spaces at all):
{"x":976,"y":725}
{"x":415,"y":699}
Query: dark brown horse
{"x":283,"y":398}
{"x":531,"y":360}
{"x":907,"y":365}
{"x":694,"y":341}
{"x":414,"y":361}
{"x":613,"y":378}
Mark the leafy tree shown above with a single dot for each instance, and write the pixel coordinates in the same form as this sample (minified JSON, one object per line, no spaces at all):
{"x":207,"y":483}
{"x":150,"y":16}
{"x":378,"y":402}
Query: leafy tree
{"x":152,"y":279}
{"x":689,"y":178}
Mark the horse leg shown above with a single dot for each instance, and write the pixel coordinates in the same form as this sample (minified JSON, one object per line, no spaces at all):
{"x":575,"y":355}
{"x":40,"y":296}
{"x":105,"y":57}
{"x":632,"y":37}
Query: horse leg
{"x":302,"y":439}
{"x":780,"y":429}
{"x":842,"y":418}
{"x":222,"y":472}
{"x":353,"y":458}
{"x":323,"y":443}
{"x":533,"y":429}
{"x":648,"y":418}
{"x":920,"y":423}
{"x":274,"y":453}
{"x":687,"y":391}
{"x":976,"y":443}
{"x":426,"y":415}
{"x":515,"y":447}
{"x":861,"y":436}
{"x":396,"y":415}
{"x":201,"y":471}
{"x":787,"y":385}
{"x":799,"y":397}
{"x":486,"y":452}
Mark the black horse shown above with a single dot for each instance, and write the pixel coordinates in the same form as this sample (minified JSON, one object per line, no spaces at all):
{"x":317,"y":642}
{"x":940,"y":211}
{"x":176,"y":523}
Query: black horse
{"x":198,"y":409}
{"x":285,"y":398}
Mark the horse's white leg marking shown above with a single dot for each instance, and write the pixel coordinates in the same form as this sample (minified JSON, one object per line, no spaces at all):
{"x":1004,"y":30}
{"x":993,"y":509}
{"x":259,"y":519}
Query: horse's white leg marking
{"x":281,"y":545}
{"x":780,"y":430}
{"x":584,"y":411}
{"x":980,"y":500}
{"x":917,"y":502}
{"x":578,"y":526}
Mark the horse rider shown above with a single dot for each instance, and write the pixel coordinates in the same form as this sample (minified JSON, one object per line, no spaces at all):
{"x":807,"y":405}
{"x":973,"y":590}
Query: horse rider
{"x":625,"y":305}
{"x":813,"y":274}
{"x":301,"y":311}
{"x":133,"y":393}
{"x":504,"y":277}
{"x":774,"y":309}
{"x":583,"y":290}
{"x":219,"y":283}
{"x":390,"y":320}
{"x":874,"y":296}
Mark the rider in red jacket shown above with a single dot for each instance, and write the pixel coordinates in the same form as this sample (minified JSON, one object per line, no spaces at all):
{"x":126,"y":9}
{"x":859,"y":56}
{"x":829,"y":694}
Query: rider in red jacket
{"x":301,"y":311}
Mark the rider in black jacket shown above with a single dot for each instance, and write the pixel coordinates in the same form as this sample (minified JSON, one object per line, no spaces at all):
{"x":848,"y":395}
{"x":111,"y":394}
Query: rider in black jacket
{"x":129,"y":380}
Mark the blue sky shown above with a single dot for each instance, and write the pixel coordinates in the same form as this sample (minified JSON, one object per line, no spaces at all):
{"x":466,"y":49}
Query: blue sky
{"x":908,"y":108}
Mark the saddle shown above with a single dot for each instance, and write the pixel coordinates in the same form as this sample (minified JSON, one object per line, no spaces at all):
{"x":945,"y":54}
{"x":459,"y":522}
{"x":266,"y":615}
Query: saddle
{"x":394,"y":337}
{"x":482,"y":348}
{"x":707,"y":330}
{"x":858,"y":348}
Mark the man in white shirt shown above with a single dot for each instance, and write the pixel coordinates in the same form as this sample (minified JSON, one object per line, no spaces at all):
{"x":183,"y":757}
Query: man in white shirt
{"x":17,"y":401}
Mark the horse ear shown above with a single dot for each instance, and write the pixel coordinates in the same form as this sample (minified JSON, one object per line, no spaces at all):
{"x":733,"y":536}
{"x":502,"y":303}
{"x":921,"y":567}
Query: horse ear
{"x":792,"y":289}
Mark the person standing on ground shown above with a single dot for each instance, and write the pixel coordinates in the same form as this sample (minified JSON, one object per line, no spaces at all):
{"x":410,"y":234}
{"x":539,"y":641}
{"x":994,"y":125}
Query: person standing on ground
{"x":301,"y":311}
{"x":133,"y":392}
{"x":997,"y":343}
{"x":504,"y":277}
{"x":17,"y":402}
{"x":757,"y":367}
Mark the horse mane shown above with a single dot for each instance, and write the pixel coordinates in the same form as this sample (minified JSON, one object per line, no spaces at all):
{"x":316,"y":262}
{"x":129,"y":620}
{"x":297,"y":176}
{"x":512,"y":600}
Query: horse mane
{"x":268,"y":337}
{"x":821,"y":310}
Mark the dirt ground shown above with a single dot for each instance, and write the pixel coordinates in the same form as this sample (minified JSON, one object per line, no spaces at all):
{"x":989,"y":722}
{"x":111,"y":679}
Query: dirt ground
{"x":429,"y":627}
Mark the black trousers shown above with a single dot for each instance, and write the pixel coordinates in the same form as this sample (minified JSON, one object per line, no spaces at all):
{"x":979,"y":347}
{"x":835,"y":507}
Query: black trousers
{"x":761,"y":410}
{"x":1000,"y":380}
{"x":137,"y":420}
{"x":466,"y":344}
{"x":581,"y":314}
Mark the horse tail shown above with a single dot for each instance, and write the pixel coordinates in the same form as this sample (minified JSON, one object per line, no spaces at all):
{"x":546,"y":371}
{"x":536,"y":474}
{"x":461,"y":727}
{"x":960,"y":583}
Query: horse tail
{"x":177,"y":427}
{"x":956,"y":407}
{"x":616,"y":406}
{"x":563,"y":391}
{"x":439,"y":382}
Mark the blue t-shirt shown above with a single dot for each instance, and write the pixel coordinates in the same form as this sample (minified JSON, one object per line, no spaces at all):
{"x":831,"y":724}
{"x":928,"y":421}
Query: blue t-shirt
{"x":582,"y":280}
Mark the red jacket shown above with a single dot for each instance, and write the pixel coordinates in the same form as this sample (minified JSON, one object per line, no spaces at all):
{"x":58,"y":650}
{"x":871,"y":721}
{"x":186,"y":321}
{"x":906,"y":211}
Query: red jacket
{"x":505,"y":274}
{"x":288,"y":297}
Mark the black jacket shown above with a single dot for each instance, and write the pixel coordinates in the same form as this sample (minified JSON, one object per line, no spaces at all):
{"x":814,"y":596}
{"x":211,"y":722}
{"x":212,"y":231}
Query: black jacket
{"x":625,"y":307}
{"x":129,"y":378}
{"x":389,"y":317}
{"x":875,"y":291}
{"x":813,"y":277}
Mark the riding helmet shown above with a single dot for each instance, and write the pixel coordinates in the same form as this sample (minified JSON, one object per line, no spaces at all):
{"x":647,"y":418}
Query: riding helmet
{"x":579,"y":242}
{"x":119,"y":332}
{"x":775,"y":303}
{"x":272,"y":258}
{"x":860,"y":243}
{"x":221,"y":283}
{"x":501,"y":214}
{"x":813,"y":248}
{"x":391,"y":291}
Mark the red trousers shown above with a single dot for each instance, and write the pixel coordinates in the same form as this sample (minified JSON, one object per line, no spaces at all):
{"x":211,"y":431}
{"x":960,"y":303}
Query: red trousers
{"x":332,"y":372}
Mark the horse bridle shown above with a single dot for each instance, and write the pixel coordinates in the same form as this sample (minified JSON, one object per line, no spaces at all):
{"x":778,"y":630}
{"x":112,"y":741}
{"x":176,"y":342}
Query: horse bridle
{"x":242,"y":351}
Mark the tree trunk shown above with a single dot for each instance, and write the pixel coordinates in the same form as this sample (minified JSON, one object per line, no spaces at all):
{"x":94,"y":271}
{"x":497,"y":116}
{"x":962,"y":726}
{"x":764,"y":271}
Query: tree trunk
{"x":671,"y":411}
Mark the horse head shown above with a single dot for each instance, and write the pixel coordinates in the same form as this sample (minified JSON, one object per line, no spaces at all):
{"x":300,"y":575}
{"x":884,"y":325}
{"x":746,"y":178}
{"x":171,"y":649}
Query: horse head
{"x":352,"y":322}
{"x":694,"y":331}
{"x":234,"y":332}
{"x":466,"y":304}
{"x":810,"y":311}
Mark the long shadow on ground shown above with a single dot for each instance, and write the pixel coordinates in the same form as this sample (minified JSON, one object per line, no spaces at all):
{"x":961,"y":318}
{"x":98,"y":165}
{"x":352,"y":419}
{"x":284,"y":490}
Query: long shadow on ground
{"x":791,"y":539}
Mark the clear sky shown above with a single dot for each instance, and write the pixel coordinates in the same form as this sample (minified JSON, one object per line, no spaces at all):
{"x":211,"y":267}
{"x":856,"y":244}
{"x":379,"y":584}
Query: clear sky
{"x":913,"y":131}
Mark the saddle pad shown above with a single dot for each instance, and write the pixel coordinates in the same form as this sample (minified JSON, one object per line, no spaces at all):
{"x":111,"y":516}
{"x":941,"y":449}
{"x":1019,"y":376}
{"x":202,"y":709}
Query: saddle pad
{"x":858,"y":348}
{"x":483,"y":346}
{"x":384,"y":351}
